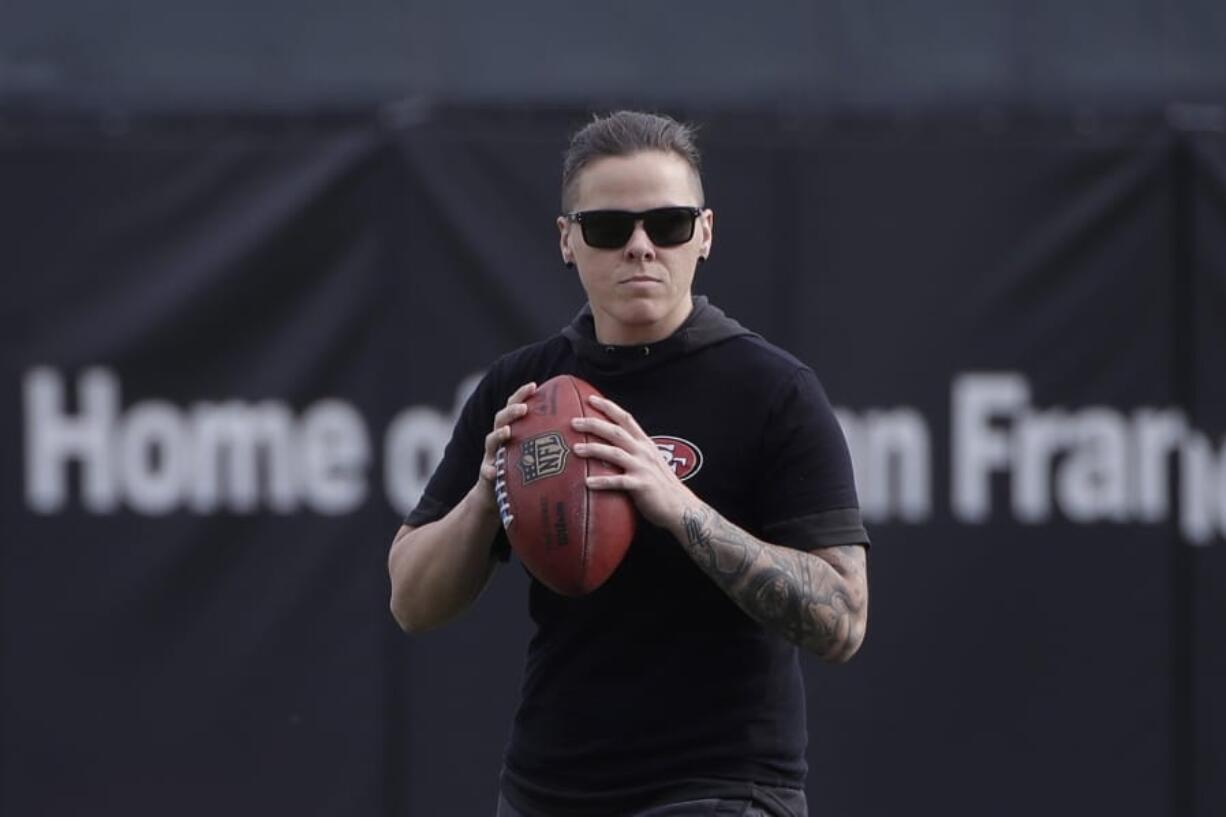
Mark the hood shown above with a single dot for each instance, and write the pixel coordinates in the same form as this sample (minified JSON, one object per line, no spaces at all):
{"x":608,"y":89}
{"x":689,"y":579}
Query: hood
{"x":705,"y":326}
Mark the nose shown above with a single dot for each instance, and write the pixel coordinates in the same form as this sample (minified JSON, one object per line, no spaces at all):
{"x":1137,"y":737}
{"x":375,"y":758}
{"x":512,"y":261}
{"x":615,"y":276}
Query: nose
{"x":639,"y":247}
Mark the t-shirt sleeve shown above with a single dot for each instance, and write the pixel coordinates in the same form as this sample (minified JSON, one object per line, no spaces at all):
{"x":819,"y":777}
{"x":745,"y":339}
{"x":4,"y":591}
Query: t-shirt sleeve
{"x":461,"y":461}
{"x":808,"y":491}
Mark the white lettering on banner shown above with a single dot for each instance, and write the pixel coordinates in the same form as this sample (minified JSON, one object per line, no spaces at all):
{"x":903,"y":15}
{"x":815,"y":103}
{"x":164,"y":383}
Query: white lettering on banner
{"x":414,"y":447}
{"x":1093,"y":465}
{"x":1202,"y":486}
{"x":892,"y":461}
{"x":1093,"y":484}
{"x":1159,"y":436}
{"x":335,"y":454}
{"x":157,"y":458}
{"x":53,"y":438}
{"x":153,"y":452}
{"x":235,"y":445}
{"x":978,"y":448}
{"x":1084,"y":465}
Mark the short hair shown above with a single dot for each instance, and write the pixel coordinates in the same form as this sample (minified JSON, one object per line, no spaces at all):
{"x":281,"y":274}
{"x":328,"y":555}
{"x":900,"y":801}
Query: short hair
{"x":622,"y":134}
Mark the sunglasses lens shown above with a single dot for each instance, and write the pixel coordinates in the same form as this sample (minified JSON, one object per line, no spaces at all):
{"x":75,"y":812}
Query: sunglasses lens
{"x":611,"y":229}
{"x":669,"y":226}
{"x":607,"y":230}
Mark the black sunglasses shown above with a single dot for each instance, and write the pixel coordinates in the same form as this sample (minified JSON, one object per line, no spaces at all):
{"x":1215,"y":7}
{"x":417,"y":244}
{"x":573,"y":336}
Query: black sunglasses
{"x":611,"y":229}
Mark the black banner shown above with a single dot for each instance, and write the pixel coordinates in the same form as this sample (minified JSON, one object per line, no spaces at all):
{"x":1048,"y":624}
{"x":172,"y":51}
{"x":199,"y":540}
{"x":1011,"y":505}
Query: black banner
{"x":1206,"y":617}
{"x":233,"y":351}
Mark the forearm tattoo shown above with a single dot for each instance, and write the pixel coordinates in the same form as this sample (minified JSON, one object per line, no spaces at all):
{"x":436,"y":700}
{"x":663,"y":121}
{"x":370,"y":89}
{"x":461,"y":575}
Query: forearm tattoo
{"x":817,"y":603}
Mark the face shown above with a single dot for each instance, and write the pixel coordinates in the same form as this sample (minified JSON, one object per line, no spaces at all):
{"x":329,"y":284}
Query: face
{"x":639,"y":293}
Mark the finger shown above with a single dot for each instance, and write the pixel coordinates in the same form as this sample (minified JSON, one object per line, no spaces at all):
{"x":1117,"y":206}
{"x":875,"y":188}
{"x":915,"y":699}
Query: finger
{"x":607,"y":453}
{"x":496,"y":438}
{"x":602,"y":428}
{"x":522,"y":393}
{"x":610,"y":482}
{"x":614,"y":412}
{"x":509,"y":413}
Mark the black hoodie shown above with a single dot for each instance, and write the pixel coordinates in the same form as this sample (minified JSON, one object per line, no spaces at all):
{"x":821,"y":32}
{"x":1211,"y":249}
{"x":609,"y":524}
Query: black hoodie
{"x":657,"y":687}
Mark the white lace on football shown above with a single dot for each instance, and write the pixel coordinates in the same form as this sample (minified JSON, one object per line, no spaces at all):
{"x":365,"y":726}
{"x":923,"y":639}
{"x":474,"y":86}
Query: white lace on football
{"x":500,"y":487}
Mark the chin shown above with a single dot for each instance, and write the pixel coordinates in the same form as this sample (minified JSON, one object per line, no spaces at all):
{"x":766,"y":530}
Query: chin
{"x":642,"y":313}
{"x":644,"y":318}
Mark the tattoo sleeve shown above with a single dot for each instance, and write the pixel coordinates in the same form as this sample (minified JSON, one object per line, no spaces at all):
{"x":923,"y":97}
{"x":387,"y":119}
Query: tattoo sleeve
{"x":817,"y":602}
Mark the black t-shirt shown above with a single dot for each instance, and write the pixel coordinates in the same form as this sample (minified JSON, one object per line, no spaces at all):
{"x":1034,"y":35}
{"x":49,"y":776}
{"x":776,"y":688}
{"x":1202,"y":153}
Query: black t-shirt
{"x":656,"y":686}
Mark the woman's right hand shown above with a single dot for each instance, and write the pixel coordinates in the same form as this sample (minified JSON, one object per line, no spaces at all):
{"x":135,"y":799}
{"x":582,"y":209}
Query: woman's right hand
{"x":515,"y":408}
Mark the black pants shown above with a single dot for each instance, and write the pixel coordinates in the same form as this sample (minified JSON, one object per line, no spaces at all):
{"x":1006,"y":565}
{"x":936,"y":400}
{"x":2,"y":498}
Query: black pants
{"x":768,"y":802}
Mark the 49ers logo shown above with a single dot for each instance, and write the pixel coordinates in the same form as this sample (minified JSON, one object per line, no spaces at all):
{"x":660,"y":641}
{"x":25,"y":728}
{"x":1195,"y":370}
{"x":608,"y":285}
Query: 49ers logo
{"x":681,"y":455}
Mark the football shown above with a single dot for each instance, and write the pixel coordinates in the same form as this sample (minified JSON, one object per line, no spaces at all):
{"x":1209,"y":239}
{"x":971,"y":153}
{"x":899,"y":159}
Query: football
{"x":569,"y":537}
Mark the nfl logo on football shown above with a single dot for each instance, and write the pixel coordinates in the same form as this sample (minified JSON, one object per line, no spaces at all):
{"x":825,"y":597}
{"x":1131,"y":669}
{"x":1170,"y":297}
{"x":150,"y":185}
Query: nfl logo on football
{"x":543,"y":456}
